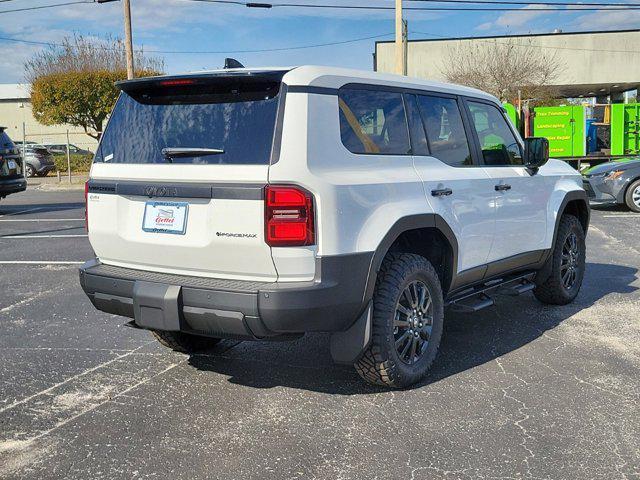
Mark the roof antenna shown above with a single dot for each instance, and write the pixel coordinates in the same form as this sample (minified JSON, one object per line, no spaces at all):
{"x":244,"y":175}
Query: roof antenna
{"x":232,"y":63}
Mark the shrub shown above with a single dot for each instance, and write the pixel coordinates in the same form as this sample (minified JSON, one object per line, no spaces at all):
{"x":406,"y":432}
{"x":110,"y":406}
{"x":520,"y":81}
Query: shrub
{"x":79,"y":163}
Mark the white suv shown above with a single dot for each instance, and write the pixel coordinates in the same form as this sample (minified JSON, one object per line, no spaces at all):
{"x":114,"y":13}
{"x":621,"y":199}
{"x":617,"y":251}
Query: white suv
{"x":264,"y":204}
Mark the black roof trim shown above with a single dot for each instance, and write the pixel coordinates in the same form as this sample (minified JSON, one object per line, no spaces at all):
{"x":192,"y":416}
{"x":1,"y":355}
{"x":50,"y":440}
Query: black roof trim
{"x":523,"y":35}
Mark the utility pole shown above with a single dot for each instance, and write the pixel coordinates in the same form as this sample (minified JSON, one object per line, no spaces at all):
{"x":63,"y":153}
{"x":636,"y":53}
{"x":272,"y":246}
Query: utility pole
{"x":399,"y":29}
{"x":405,"y":47}
{"x":128,"y":38}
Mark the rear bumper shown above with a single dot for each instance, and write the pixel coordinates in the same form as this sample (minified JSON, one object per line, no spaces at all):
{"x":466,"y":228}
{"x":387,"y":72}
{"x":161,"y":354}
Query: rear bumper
{"x":230,"y":308}
{"x":12,"y":186}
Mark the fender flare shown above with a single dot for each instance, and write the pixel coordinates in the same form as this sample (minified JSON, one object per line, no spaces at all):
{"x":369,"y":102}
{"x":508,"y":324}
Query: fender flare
{"x":402,"y":225}
{"x":571,"y":196}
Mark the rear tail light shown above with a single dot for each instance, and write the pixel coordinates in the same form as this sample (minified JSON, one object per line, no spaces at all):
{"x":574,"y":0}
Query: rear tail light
{"x":86,"y":206}
{"x":289,"y":216}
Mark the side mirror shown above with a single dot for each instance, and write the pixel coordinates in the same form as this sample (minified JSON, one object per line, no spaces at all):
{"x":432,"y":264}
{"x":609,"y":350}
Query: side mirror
{"x":536,"y":152}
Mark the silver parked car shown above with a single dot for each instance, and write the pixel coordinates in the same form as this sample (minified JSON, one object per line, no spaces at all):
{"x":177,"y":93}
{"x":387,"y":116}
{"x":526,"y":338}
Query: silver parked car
{"x":38,"y":160}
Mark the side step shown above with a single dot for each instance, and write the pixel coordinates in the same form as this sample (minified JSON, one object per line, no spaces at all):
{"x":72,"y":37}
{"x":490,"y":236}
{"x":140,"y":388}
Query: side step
{"x":478,"y":297}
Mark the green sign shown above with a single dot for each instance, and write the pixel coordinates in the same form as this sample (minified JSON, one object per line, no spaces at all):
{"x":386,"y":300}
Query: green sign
{"x":564,"y":127}
{"x":625,"y":124}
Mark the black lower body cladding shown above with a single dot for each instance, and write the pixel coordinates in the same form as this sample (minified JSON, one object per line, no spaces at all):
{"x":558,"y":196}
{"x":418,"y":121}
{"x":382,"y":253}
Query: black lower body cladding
{"x":231,"y":308}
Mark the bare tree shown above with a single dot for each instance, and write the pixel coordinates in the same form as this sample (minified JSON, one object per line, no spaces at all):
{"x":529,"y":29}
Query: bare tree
{"x":75,"y":83}
{"x":502,"y":67}
{"x":78,"y":53}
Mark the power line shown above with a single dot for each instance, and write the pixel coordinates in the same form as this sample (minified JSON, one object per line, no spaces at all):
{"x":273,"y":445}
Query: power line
{"x":203,"y":52}
{"x":578,"y":6}
{"x":26,"y":9}
{"x":524,"y":3}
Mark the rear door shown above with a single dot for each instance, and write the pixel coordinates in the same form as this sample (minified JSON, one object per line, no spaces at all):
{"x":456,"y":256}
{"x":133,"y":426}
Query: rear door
{"x":457,"y":188}
{"x":178,"y":179}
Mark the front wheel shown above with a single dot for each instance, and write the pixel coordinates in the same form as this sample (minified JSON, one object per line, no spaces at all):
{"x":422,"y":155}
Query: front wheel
{"x":567,"y":264}
{"x":632,"y":197}
{"x":408,"y":313}
{"x":30,"y":171}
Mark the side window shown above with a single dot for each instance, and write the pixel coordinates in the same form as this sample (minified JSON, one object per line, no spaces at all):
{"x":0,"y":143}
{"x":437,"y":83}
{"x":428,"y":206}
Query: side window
{"x":445,"y":131}
{"x":416,"y":128}
{"x":373,"y":122}
{"x":497,"y":141}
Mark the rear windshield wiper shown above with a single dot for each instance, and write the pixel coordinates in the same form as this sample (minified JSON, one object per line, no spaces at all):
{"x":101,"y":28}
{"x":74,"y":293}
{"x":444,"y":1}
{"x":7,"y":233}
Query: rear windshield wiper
{"x":171,"y":153}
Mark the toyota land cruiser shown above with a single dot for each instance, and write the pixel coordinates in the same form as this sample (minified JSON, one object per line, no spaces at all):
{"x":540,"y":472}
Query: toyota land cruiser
{"x":264,"y":204}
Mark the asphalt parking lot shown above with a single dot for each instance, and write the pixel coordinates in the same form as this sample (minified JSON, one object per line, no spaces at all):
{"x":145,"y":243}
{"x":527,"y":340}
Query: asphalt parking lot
{"x":520,"y":390}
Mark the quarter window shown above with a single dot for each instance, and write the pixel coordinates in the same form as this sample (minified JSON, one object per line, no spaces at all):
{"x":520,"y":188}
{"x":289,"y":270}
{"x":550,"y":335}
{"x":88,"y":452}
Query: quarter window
{"x":373,"y":122}
{"x":445,"y":131}
{"x":497,"y":141}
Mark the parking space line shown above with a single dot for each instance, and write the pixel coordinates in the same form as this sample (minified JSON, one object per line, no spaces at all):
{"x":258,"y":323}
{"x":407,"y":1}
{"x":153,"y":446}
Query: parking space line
{"x":73,"y":377}
{"x":22,"y":211}
{"x":39,"y":262}
{"x":14,"y":237}
{"x":622,"y":215}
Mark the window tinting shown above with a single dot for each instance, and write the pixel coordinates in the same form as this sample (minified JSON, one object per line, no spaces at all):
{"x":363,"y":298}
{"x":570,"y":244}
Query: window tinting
{"x":416,"y":128}
{"x":373,"y":122}
{"x":142,"y":125}
{"x":499,"y":145}
{"x":445,"y":131}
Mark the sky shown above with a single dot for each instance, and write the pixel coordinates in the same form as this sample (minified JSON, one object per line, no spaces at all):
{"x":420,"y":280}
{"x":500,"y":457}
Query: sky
{"x":184,"y":25}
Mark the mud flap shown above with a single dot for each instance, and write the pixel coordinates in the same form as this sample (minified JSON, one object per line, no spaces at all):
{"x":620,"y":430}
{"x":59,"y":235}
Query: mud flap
{"x":156,"y":306}
{"x":347,"y":347}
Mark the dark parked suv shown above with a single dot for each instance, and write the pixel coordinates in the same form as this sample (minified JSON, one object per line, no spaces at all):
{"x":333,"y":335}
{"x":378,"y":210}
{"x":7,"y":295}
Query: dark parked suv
{"x":11,"y":177}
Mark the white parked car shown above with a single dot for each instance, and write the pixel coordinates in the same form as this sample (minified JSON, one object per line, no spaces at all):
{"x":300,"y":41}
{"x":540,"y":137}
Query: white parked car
{"x":264,"y":204}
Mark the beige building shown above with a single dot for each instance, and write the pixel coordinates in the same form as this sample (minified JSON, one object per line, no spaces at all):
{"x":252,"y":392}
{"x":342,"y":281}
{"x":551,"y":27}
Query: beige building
{"x":593,"y":63}
{"x":15,"y":111}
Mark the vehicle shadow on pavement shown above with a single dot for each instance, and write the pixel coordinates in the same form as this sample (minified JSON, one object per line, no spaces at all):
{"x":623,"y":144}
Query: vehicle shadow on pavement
{"x":36,"y":208}
{"x":469,"y":340}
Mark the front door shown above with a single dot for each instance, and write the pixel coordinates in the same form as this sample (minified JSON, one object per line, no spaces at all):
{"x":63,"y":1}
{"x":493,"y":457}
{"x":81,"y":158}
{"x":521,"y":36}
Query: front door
{"x":521,"y":195}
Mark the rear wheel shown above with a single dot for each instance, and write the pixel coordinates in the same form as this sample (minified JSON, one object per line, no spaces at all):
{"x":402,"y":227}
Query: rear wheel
{"x":632,"y":197}
{"x":184,"y":342}
{"x":567,"y":264}
{"x":30,"y":171}
{"x":408,"y":313}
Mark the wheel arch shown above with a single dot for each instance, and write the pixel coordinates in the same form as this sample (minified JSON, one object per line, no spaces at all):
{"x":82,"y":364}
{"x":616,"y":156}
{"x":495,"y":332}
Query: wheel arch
{"x":622,"y":195}
{"x":574,"y":203}
{"x":428,"y":235}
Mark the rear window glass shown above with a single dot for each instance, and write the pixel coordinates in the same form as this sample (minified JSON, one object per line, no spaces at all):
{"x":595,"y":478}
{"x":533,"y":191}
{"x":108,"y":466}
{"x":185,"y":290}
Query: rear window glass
{"x":445,"y":130}
{"x":373,"y":122}
{"x":5,"y":142}
{"x":234,"y":124}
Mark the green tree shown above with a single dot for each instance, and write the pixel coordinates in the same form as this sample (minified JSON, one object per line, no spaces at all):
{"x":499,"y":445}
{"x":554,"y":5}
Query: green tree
{"x":74,"y":83}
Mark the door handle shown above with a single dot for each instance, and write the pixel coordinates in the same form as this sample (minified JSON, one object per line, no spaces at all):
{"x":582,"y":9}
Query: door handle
{"x":503,"y":187}
{"x":442,"y":192}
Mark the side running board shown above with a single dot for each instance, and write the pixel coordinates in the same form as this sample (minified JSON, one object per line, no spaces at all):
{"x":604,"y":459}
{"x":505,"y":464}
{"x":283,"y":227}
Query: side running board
{"x":480,"y":296}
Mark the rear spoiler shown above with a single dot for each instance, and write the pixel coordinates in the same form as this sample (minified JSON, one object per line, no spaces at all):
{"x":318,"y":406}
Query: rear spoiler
{"x":201,"y":79}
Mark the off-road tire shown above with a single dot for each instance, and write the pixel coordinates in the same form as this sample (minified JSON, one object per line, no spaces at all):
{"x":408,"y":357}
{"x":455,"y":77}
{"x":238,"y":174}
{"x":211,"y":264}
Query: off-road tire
{"x":552,"y":290}
{"x":628,"y":197}
{"x":380,"y":364}
{"x":184,"y":342}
